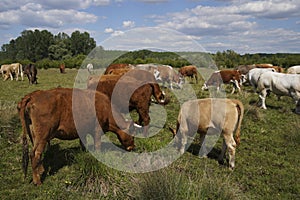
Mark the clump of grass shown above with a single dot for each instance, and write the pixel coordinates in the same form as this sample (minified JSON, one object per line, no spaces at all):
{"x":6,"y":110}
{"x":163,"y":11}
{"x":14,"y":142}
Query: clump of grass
{"x":170,"y":184}
{"x":254,"y":113}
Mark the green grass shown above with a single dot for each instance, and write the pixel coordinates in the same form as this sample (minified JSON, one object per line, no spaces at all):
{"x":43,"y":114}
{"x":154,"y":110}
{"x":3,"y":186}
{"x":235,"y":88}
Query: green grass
{"x":267,"y":161}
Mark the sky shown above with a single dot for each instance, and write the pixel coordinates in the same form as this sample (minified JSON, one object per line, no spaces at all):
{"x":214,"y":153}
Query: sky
{"x":258,"y":26}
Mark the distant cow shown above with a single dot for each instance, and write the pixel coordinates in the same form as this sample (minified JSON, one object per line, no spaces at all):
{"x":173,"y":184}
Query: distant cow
{"x":244,"y":69}
{"x":224,"y":77}
{"x":294,"y":70}
{"x":166,"y":74}
{"x":129,"y":93}
{"x":280,"y":84}
{"x":50,"y":114}
{"x":211,"y":116}
{"x":90,"y":67}
{"x":117,"y":66}
{"x":62,"y":68}
{"x":31,"y":71}
{"x":8,"y":71}
{"x":277,"y":68}
{"x":189,"y":71}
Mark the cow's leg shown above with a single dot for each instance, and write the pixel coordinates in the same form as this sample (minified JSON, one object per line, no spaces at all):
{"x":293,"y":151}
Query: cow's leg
{"x":231,"y":145}
{"x":144,"y":119}
{"x":222,"y":155}
{"x":262,"y":96}
{"x":203,"y":151}
{"x":11,"y":76}
{"x":36,"y":161}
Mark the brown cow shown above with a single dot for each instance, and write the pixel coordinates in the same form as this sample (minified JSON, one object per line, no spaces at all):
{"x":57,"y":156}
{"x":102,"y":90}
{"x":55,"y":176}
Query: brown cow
{"x":189,"y":71}
{"x":244,"y":69}
{"x":277,"y":68}
{"x":211,"y":116}
{"x":119,"y":89}
{"x":52,"y":113}
{"x":117,"y":66}
{"x":31,"y":71}
{"x":224,"y":77}
{"x":62,"y":68}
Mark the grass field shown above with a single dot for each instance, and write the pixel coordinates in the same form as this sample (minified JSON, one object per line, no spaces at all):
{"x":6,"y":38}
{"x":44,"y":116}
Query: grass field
{"x":267,"y":161}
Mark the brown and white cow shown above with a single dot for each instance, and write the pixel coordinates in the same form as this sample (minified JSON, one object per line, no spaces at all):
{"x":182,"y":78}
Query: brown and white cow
{"x":225,"y":76}
{"x":189,"y":71}
{"x":31,"y":71}
{"x":51,"y":114}
{"x":129,"y":93}
{"x":166,"y":74}
{"x":211,"y":116}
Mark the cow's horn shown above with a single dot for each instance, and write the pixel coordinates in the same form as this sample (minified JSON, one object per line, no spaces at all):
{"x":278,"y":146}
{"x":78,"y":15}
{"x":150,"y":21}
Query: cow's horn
{"x":137,"y":126}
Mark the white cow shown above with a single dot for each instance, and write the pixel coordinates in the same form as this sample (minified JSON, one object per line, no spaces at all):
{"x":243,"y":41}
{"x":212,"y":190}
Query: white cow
{"x":294,"y":70}
{"x":254,"y":74}
{"x":211,"y":116}
{"x":90,"y":67}
{"x":280,"y":84}
{"x":14,"y":68}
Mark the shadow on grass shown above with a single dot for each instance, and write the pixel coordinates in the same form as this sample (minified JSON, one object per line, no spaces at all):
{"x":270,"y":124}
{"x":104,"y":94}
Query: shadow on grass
{"x":213,"y":154}
{"x":56,"y":158}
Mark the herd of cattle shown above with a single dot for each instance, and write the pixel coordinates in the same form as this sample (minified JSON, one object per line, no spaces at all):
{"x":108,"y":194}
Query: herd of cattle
{"x":122,"y":88}
{"x":17,"y":69}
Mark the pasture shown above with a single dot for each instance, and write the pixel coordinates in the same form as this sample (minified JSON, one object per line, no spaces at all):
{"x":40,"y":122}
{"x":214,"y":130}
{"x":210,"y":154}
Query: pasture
{"x":267,"y":160}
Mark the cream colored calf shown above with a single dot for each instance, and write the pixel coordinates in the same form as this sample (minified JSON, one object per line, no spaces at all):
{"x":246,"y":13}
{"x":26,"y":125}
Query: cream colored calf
{"x":211,"y":116}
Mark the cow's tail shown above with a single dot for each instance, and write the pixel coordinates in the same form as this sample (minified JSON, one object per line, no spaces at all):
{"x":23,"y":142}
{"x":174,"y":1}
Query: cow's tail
{"x":22,"y":108}
{"x":159,"y":95}
{"x":240,"y":109}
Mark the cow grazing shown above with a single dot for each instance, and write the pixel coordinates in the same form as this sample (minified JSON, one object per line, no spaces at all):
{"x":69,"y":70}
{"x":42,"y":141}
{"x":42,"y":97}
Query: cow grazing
{"x":117,"y":66}
{"x":280,"y":84}
{"x":50,"y":114}
{"x":8,"y":71}
{"x":166,"y":74}
{"x":62,"y":68}
{"x":244,"y":69}
{"x":224,"y":77}
{"x":254,"y":74}
{"x":211,"y":116}
{"x":31,"y":71}
{"x":189,"y":71}
{"x":128,"y":93}
{"x":294,"y":70}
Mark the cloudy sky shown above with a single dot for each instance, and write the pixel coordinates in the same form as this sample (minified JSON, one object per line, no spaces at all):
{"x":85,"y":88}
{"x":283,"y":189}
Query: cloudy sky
{"x":265,"y":26}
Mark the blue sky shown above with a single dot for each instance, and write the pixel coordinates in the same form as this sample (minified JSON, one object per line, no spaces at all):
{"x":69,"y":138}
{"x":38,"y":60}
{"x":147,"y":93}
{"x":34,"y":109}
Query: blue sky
{"x":264,"y":26}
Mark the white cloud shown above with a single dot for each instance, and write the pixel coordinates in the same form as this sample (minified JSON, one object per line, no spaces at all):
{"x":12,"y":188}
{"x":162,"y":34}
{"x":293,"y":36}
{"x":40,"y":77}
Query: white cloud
{"x":128,"y":24}
{"x":108,"y":30}
{"x":117,"y":33}
{"x":34,"y":15}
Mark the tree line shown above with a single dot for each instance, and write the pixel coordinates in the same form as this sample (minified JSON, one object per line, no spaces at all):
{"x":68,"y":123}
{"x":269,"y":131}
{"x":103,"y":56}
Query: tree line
{"x":47,"y":51}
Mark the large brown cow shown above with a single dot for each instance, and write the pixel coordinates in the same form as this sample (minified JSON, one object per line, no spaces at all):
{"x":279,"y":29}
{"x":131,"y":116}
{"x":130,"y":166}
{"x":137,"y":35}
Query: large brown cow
{"x":129,"y":93}
{"x":189,"y":71}
{"x":52,"y":113}
{"x":211,"y":116}
{"x":224,"y":77}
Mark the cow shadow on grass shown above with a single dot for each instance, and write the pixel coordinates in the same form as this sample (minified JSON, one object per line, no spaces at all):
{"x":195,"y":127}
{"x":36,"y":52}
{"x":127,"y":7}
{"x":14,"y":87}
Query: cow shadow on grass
{"x":213,"y":154}
{"x":55,"y":158}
